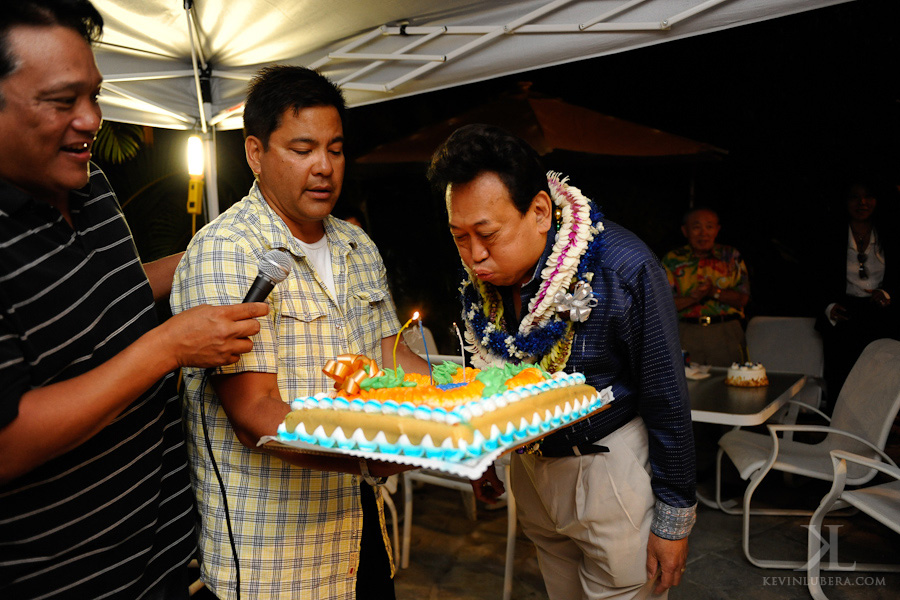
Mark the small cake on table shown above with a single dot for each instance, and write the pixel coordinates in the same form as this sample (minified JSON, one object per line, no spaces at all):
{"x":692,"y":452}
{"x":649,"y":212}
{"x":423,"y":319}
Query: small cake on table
{"x":747,"y":374}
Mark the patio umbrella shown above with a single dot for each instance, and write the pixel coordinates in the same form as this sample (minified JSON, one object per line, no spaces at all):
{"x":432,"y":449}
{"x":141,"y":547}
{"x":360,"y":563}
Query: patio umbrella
{"x":547,"y":124}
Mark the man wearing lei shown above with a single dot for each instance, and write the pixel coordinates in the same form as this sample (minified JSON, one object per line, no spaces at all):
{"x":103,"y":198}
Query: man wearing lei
{"x":609,"y":501}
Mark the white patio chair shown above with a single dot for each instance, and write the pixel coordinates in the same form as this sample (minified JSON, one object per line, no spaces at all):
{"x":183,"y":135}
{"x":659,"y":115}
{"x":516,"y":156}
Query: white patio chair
{"x":789,"y":344}
{"x":881,"y":502}
{"x":863,"y":415}
{"x":465,"y":486}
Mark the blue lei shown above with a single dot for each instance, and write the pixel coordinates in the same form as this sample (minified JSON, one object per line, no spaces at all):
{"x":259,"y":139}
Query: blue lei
{"x":541,"y":339}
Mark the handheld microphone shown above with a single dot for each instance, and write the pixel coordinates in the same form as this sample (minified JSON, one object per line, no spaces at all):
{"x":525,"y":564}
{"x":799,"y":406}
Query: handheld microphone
{"x":274,"y":267}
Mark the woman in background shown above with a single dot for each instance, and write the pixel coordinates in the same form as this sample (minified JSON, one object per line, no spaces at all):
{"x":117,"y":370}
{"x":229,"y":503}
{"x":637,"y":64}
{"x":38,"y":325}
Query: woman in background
{"x":859,"y":279}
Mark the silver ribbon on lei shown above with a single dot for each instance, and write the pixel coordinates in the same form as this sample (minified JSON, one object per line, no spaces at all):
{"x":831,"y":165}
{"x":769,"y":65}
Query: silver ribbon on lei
{"x":578,"y":303}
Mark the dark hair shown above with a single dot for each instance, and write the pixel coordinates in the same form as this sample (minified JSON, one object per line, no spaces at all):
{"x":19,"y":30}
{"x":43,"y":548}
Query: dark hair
{"x":885,"y":217}
{"x":475,"y":149}
{"x":867,"y":187}
{"x":696,"y":209}
{"x":278,"y":88}
{"x":884,"y":209}
{"x":78,"y":15}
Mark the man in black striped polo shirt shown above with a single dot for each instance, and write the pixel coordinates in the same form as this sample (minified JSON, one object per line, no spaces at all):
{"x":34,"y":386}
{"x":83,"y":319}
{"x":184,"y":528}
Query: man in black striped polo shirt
{"x":94,"y":493}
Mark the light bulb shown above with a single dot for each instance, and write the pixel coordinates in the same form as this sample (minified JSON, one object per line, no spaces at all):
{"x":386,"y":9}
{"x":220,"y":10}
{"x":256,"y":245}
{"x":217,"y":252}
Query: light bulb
{"x":195,"y":156}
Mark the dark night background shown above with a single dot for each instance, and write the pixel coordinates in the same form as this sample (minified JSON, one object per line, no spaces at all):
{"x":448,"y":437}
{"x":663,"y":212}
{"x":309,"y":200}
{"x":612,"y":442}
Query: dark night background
{"x":803,"y":105}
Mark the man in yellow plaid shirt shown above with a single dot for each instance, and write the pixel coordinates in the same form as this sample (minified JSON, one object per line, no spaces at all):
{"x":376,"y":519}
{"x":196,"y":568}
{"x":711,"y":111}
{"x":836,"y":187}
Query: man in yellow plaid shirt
{"x":304,"y":526}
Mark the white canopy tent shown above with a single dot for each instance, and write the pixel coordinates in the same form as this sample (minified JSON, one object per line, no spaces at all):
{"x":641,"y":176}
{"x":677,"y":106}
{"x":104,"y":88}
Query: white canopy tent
{"x":185,"y":64}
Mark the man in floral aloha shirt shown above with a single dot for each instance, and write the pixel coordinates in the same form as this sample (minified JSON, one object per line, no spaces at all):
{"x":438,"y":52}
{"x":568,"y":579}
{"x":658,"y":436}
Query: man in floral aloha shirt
{"x":711,"y":288}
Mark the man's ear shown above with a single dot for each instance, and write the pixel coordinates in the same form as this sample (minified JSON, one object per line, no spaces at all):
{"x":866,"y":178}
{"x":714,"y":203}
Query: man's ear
{"x":253,"y":148}
{"x":684,"y":231}
{"x":542,"y":207}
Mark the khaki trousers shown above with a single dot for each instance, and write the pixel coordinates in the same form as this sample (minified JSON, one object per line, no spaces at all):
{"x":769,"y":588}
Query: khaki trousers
{"x":718,"y":345}
{"x":589,"y":517}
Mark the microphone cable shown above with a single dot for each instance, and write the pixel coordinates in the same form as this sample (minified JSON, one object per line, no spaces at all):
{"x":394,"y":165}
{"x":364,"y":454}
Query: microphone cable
{"x":237,"y":568}
{"x":274,"y":267}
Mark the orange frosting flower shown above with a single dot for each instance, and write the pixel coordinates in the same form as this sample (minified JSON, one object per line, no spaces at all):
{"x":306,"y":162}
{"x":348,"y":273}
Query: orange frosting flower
{"x":429,"y":395}
{"x":527,"y":376}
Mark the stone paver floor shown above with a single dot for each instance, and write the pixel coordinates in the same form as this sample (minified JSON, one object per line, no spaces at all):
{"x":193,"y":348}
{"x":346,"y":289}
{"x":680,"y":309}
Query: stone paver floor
{"x":455,"y":558}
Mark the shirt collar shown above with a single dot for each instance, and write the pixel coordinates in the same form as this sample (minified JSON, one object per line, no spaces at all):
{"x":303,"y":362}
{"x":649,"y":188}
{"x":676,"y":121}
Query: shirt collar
{"x":281,"y":237}
{"x":716,"y":252}
{"x":13,"y":199}
{"x":339,"y":237}
{"x":542,"y":261}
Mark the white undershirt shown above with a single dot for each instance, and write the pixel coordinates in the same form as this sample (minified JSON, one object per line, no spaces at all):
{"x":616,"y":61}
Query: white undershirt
{"x":319,"y":256}
{"x":863,"y":288}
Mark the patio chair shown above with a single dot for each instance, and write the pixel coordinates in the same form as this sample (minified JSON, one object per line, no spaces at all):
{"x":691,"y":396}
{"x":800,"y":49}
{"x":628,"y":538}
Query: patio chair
{"x":465,"y":486}
{"x":863,"y":415}
{"x":789,"y":344}
{"x":881,"y":502}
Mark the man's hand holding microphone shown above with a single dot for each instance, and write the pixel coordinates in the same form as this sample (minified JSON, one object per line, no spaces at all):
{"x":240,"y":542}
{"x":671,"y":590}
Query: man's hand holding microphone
{"x":212,"y":336}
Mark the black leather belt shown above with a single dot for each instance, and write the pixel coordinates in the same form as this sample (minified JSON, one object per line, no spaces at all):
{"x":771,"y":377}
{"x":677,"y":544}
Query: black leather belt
{"x":707,"y":321}
{"x":581,"y":450}
{"x":580,"y":444}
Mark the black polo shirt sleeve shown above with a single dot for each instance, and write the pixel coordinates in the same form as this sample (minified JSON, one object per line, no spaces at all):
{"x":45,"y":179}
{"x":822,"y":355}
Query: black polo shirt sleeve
{"x":13,"y":371}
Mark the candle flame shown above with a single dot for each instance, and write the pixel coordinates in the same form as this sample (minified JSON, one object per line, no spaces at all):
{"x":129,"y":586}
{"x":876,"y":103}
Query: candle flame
{"x":400,"y":333}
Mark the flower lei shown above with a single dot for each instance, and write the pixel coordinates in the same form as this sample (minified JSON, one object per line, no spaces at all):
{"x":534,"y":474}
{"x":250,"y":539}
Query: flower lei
{"x":543,"y":336}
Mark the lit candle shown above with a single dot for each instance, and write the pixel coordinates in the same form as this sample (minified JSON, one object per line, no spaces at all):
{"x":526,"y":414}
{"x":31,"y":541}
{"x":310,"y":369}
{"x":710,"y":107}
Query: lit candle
{"x":462,"y":350}
{"x":399,"y":334}
{"x":427,"y":357}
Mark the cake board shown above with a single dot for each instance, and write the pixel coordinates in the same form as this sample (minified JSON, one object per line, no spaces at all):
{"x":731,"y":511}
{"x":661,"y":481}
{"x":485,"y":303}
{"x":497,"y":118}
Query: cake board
{"x":470,"y":467}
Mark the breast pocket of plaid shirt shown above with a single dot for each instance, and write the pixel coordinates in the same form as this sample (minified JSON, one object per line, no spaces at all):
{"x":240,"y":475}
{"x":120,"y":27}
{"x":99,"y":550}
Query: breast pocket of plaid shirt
{"x":364,"y":315}
{"x":302,"y":328}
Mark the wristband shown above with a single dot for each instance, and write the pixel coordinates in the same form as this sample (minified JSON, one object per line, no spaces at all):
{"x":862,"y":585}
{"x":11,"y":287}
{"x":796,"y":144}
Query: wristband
{"x":367,"y":477}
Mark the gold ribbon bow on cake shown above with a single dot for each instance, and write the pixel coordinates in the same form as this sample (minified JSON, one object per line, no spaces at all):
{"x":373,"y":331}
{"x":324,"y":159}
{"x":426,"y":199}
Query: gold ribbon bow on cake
{"x":349,"y":371}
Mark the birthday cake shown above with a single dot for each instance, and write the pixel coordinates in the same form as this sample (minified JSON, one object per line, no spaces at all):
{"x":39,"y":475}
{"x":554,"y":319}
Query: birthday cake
{"x":746,"y":375}
{"x":453,"y":415}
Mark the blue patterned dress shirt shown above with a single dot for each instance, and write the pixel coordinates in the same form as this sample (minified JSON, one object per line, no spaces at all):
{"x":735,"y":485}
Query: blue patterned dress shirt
{"x":630,"y":342}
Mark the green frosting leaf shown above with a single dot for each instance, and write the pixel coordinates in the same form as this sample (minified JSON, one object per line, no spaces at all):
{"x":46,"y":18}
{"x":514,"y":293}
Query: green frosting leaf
{"x":494,"y":378}
{"x":494,"y":381}
{"x":443,"y":373}
{"x":391,"y":379}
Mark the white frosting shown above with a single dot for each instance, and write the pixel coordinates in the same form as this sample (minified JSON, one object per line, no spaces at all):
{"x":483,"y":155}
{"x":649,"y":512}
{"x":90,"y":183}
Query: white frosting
{"x":746,"y":374}
{"x":461,"y":414}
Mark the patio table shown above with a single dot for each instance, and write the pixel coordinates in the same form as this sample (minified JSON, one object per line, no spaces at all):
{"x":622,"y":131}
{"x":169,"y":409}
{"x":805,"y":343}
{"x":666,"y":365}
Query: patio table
{"x":714,"y":402}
